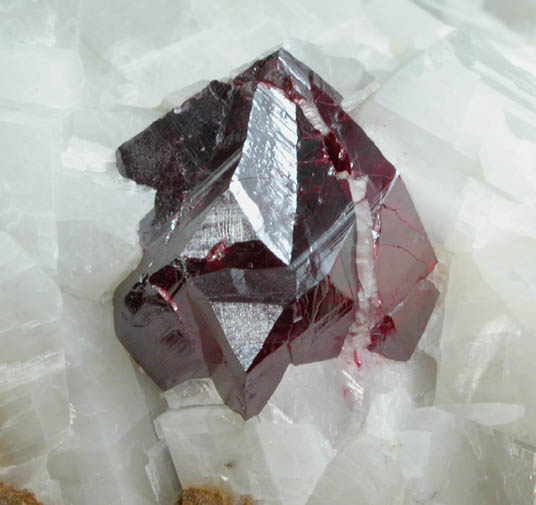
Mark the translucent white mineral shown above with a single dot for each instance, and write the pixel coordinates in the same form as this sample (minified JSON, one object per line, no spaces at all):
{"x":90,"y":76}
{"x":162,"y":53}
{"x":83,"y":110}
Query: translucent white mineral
{"x":446,"y":89}
{"x":34,"y":409}
{"x":63,"y":88}
{"x":27,"y":189}
{"x":112,"y":439}
{"x":97,"y":246}
{"x":212,"y":445}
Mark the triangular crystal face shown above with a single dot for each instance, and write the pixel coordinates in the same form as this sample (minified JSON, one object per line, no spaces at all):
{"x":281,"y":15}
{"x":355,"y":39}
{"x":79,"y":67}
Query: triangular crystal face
{"x":224,"y":222}
{"x":265,"y":182}
{"x":246,"y":339}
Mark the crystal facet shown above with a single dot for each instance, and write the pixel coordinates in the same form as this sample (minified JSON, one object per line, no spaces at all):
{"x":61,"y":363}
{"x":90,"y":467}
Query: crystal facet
{"x":250,"y":260}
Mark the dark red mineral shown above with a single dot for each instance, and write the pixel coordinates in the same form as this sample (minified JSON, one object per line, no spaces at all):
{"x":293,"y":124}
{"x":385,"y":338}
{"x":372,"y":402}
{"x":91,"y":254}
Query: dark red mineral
{"x":250,"y":260}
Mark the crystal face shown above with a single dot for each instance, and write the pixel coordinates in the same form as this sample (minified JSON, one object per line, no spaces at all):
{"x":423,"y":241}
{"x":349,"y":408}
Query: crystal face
{"x":250,"y":260}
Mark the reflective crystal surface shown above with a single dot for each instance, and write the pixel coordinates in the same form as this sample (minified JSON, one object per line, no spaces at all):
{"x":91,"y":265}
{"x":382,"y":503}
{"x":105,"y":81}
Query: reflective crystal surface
{"x":454,"y":113}
{"x":277,"y":223}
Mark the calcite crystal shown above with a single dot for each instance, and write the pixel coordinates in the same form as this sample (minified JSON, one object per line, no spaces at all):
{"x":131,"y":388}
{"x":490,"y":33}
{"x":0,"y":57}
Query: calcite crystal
{"x":265,"y":187}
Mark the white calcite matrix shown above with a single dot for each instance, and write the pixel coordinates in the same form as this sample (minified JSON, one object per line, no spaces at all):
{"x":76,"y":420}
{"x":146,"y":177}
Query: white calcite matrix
{"x":445,"y":88}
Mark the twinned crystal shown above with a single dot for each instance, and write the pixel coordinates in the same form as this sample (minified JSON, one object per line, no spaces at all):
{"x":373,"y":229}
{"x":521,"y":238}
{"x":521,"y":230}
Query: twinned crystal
{"x":277,"y":224}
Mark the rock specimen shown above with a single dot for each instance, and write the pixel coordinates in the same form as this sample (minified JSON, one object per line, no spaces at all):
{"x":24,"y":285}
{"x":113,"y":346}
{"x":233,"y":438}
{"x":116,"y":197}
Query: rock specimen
{"x":277,"y":223}
{"x":209,"y":496}
{"x":12,"y":496}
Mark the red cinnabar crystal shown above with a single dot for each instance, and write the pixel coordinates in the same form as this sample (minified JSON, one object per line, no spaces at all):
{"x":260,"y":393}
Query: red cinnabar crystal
{"x":250,"y":260}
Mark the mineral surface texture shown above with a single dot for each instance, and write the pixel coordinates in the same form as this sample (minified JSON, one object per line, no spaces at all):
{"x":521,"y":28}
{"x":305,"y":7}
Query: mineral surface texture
{"x":209,"y":496}
{"x":277,"y":224}
{"x":12,"y":496}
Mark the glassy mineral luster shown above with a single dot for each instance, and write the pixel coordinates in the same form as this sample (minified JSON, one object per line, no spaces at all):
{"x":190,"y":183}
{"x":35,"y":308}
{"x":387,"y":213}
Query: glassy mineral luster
{"x":255,"y":255}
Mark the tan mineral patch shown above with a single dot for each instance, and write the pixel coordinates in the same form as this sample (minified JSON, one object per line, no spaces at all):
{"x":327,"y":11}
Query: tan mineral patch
{"x":12,"y":496}
{"x":209,"y":496}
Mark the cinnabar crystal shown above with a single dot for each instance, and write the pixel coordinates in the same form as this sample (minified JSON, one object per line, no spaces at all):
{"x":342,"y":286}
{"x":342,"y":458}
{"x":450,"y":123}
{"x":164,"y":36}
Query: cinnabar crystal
{"x":250,"y":259}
